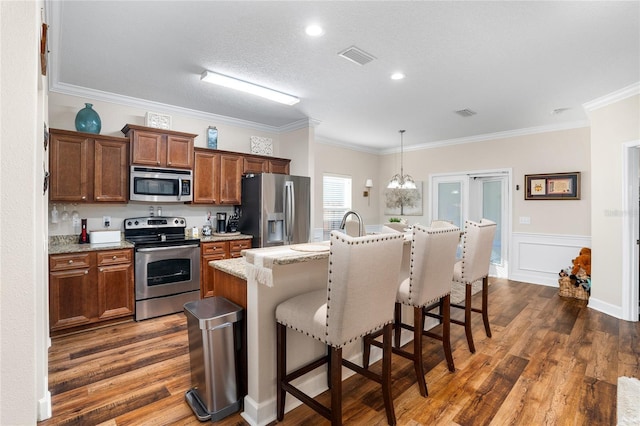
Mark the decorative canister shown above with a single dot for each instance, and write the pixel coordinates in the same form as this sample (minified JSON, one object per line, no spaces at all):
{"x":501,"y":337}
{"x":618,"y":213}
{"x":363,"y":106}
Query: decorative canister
{"x":88,"y":120}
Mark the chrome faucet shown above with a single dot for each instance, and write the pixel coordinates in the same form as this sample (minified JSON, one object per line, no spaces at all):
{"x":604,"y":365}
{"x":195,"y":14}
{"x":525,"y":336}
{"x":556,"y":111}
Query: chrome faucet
{"x":343,"y":224}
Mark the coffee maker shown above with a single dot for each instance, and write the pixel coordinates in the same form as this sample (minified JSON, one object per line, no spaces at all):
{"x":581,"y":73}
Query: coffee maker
{"x":221,"y":223}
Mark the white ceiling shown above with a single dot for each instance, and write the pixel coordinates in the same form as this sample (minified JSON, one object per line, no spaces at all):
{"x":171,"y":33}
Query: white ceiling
{"x":511,"y":62}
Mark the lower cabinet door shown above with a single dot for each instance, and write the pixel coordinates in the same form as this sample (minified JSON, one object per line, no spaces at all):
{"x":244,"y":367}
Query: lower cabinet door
{"x":71,"y":298}
{"x":115,"y":291}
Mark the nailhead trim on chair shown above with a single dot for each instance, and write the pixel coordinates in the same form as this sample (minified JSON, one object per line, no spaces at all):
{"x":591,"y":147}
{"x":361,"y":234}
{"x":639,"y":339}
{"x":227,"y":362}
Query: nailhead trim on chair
{"x":382,"y":237}
{"x":411,"y":292}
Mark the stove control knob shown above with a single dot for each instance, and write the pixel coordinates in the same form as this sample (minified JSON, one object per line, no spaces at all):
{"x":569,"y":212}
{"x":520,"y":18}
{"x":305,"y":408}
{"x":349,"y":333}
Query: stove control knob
{"x":129,"y":223}
{"x":181,"y":221}
{"x":136,"y":222}
{"x":175,"y":221}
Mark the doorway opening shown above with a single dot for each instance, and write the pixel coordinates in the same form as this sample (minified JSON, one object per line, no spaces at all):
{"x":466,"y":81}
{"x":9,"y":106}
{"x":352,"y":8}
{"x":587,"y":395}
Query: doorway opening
{"x":473,"y":196}
{"x":631,"y":232}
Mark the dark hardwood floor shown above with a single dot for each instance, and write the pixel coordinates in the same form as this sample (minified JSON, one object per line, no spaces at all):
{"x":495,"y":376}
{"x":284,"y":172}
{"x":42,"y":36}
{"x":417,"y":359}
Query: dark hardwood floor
{"x":551,"y":361}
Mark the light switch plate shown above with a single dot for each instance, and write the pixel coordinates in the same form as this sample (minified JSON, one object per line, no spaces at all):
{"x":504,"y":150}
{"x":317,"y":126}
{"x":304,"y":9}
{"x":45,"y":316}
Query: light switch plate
{"x":525,"y":220}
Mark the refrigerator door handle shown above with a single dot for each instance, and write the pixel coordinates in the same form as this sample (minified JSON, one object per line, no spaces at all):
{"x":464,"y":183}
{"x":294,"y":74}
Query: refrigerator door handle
{"x":289,"y":210}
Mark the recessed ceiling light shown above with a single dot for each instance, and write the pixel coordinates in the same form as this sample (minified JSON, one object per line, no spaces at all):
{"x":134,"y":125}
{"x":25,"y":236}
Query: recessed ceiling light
{"x":314,"y":30}
{"x":397,"y":76}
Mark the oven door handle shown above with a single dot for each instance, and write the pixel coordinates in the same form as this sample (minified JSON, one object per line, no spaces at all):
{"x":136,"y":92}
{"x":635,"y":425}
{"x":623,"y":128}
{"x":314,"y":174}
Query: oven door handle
{"x":149,"y":250}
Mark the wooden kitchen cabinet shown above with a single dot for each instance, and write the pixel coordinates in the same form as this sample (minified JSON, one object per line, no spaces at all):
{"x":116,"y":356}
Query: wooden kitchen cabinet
{"x":87,"y":289}
{"x":217,"y":177}
{"x":231,"y":178}
{"x":87,"y":168}
{"x":206,"y":176}
{"x":255,"y":165}
{"x":71,"y":291}
{"x":279,"y":165}
{"x":217,"y":250}
{"x":115,"y":284}
{"x":160,"y":148}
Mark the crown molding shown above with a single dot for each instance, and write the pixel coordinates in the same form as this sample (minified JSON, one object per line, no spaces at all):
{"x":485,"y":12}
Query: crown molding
{"x":491,"y":136}
{"x":305,"y":123}
{"x":69,"y":89}
{"x":618,"y":95}
{"x":349,"y":146}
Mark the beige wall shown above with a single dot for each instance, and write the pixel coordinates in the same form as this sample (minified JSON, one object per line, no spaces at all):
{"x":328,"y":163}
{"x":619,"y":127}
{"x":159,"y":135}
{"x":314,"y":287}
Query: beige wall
{"x":23,"y":261}
{"x":611,"y":126}
{"x":550,"y":152}
{"x":360,"y":166}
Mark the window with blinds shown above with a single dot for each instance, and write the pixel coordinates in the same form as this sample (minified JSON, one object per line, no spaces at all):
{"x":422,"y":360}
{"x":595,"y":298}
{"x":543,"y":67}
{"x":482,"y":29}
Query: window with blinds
{"x":336,"y":201}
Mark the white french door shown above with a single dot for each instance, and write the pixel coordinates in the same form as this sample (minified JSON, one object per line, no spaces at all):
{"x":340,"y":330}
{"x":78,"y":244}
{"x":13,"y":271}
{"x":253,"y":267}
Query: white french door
{"x":473,"y":196}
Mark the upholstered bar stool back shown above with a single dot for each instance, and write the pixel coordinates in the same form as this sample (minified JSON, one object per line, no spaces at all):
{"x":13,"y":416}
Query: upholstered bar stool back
{"x":360,"y":297}
{"x":477,"y":243}
{"x":433,"y":254}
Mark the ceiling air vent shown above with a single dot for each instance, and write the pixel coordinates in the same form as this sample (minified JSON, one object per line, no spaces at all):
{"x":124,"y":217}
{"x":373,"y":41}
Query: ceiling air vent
{"x":466,"y":112}
{"x":356,"y":55}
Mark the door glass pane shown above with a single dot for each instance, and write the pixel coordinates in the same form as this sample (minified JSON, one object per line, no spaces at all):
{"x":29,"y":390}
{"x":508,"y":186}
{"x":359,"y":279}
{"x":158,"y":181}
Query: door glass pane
{"x":449,"y":202}
{"x":492,"y":210}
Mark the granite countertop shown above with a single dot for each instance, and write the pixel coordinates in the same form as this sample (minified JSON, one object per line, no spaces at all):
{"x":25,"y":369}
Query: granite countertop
{"x":235,"y":266}
{"x":285,"y":255}
{"x":222,"y":237}
{"x":62,"y":244}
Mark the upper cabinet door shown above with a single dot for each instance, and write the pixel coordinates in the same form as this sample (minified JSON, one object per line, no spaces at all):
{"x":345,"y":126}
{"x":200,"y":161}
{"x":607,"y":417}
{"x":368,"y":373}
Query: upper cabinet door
{"x":69,"y":167}
{"x":146,"y":149}
{"x":206,"y":177}
{"x":111,"y":171}
{"x":230,"y":178}
{"x":179,"y":152}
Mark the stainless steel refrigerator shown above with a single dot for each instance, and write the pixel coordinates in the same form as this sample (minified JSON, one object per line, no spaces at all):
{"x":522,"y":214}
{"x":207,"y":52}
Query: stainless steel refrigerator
{"x":275,"y":209}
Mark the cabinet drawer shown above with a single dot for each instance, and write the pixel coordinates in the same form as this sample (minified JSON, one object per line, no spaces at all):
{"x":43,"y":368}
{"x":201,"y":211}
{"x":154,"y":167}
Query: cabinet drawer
{"x":114,"y":257}
{"x":207,"y":249}
{"x":61,"y":262}
{"x":238,"y":245}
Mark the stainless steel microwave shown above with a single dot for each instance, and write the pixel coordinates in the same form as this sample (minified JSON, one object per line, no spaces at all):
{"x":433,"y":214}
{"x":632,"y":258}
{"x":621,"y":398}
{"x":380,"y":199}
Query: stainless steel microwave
{"x":160,"y":185}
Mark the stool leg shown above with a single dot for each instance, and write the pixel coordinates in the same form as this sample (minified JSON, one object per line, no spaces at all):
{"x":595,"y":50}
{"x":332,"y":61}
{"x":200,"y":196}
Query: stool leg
{"x":445,"y":302}
{"x":386,"y":374}
{"x":485,"y":305}
{"x":418,"y":364}
{"x":366,"y":352}
{"x":281,"y":368}
{"x":467,"y":318}
{"x":335,"y":360}
{"x":397,"y":329}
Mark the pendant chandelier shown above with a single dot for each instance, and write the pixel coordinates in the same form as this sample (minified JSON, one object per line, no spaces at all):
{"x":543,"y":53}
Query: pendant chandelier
{"x":402,"y":191}
{"x":401,"y":180}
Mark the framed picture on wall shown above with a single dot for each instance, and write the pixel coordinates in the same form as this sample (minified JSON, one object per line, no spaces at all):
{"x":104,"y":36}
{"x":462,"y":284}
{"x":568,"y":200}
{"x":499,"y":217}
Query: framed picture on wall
{"x":552,"y":186}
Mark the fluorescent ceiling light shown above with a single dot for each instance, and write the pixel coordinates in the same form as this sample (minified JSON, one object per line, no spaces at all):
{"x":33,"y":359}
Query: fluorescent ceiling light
{"x":244,"y":86}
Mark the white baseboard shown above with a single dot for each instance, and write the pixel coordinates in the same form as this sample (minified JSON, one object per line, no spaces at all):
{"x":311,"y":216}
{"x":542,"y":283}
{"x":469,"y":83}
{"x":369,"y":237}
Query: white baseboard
{"x":44,"y":407}
{"x":605,"y":308}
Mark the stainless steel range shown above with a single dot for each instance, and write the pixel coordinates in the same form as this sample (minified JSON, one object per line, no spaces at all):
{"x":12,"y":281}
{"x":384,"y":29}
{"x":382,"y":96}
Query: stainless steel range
{"x":167,"y":265}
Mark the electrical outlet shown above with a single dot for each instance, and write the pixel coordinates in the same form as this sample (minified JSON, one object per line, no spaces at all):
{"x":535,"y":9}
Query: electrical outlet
{"x":106,"y":221}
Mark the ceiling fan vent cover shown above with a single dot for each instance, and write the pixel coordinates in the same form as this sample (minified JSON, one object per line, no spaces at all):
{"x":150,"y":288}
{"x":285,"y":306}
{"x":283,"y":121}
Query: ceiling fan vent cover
{"x":356,"y":55}
{"x":466,"y":112}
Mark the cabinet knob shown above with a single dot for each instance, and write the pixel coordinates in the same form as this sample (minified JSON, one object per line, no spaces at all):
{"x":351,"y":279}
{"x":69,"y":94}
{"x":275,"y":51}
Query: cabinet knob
{"x":114,"y":257}
{"x":70,"y":262}
{"x":101,"y":269}
{"x":86,"y":272}
{"x":84,"y":198}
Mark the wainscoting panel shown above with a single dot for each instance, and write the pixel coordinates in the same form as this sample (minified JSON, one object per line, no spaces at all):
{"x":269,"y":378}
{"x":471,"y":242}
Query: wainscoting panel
{"x":537,"y":258}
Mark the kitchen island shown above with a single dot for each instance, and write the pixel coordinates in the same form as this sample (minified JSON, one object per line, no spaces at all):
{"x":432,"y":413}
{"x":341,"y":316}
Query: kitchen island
{"x":274,"y":275}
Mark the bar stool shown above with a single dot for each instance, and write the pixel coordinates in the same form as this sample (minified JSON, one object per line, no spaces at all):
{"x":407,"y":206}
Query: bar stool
{"x":477,"y":243}
{"x":433,"y":254}
{"x":359,"y":299}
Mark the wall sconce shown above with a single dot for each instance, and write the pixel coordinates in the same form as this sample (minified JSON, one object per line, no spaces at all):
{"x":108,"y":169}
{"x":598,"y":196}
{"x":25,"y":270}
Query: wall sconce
{"x":368,"y":184}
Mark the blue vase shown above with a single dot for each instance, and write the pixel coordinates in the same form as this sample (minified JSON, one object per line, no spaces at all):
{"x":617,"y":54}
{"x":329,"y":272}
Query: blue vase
{"x":88,"y":120}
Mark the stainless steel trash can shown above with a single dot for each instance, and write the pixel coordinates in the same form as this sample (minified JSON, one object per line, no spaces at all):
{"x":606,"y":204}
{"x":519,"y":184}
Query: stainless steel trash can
{"x":215,"y":336}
